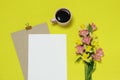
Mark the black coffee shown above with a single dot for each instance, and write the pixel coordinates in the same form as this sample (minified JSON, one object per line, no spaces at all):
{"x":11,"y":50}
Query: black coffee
{"x":63,"y":15}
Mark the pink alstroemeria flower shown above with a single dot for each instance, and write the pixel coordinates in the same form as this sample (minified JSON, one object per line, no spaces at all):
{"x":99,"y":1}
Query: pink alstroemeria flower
{"x":93,"y":26}
{"x":80,"y":49}
{"x":86,"y":40}
{"x":84,"y":33}
{"x":98,"y":55}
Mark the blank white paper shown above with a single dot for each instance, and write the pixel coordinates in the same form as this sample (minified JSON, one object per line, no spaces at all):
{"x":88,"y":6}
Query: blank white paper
{"x":47,"y":57}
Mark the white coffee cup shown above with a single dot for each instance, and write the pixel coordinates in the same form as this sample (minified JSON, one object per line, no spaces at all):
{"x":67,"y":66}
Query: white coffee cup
{"x":62,"y":17}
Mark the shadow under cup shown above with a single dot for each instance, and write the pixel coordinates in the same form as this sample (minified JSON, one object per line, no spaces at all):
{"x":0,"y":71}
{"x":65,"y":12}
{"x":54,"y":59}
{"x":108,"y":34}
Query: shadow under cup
{"x":63,"y":15}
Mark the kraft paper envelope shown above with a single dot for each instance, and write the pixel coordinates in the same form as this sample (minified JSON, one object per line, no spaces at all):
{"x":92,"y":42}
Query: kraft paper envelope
{"x":20,"y":40}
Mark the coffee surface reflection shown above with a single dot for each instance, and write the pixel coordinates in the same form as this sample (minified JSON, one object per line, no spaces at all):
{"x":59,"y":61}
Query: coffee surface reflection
{"x":63,"y":15}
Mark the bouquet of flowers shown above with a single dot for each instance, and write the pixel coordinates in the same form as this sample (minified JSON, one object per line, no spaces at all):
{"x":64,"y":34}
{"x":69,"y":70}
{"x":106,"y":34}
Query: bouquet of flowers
{"x":88,"y":50}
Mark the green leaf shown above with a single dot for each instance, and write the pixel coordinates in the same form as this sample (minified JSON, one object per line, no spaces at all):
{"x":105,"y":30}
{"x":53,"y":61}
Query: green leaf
{"x":89,"y":28}
{"x":78,"y":59}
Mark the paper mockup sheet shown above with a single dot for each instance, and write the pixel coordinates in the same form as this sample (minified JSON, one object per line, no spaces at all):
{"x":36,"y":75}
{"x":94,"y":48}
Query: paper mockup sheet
{"x":47,"y":57}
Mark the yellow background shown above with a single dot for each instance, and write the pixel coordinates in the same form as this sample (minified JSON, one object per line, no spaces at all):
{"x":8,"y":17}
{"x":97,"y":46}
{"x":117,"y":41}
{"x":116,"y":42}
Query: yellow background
{"x":14,"y":14}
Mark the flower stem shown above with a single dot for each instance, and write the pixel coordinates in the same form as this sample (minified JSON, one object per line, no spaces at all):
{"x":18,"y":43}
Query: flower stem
{"x":89,"y":70}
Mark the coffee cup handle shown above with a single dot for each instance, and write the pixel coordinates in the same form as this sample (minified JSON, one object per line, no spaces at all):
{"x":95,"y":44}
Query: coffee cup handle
{"x":54,"y":21}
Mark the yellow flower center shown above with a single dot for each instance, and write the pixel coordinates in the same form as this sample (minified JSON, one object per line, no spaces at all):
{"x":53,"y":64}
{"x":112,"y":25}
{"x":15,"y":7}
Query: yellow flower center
{"x":88,"y":48}
{"x":82,"y":26}
{"x":85,"y":56}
